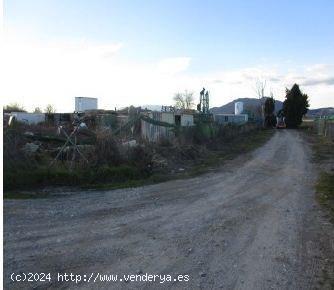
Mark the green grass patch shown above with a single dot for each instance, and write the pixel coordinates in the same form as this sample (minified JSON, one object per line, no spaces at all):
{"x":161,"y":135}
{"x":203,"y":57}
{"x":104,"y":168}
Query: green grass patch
{"x":59,"y":176}
{"x":24,"y":195}
{"x":323,"y":149}
{"x":325,"y":191}
{"x":323,"y":155}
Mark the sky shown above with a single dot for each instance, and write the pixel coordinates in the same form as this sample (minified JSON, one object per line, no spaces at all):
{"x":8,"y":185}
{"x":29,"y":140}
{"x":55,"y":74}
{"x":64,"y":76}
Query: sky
{"x":143,"y":52}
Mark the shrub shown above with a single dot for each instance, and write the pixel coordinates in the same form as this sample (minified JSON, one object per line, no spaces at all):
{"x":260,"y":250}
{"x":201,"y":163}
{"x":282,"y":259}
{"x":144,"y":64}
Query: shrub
{"x":106,"y":149}
{"x":141,"y":158}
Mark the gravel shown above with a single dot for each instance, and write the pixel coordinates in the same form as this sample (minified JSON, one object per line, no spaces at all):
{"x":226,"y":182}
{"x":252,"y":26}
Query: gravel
{"x":252,"y":225}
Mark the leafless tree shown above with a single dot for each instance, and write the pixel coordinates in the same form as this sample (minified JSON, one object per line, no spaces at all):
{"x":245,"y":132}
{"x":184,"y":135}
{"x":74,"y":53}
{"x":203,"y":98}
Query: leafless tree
{"x":253,"y":111}
{"x":50,"y":109}
{"x":184,"y":100}
{"x":179,"y":101}
{"x":189,"y":99}
{"x":260,"y":87}
{"x":37,"y":110}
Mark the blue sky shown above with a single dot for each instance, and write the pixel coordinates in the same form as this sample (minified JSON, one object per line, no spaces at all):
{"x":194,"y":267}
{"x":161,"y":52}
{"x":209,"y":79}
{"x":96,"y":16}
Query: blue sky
{"x":176,"y":45}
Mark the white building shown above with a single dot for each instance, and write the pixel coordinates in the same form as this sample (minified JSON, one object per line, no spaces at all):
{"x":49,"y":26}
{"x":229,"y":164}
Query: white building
{"x":231,"y":118}
{"x":238,"y":108}
{"x":187,"y":120}
{"x":83,"y":104}
{"x":237,"y":118}
{"x":28,"y":118}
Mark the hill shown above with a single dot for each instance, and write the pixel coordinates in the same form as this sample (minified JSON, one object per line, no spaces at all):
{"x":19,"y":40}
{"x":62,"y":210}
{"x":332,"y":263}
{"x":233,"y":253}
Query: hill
{"x":312,"y":113}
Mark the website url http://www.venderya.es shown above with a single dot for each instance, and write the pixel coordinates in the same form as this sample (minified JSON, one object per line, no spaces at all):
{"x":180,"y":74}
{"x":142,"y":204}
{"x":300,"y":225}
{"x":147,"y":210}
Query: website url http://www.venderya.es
{"x":96,"y":277}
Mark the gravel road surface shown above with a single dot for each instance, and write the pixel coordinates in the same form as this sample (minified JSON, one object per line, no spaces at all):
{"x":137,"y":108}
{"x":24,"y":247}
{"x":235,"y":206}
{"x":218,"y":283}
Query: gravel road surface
{"x":253,"y":224}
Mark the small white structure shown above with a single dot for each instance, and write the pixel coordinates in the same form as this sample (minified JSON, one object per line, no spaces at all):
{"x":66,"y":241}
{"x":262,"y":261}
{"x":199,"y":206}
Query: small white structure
{"x":83,"y":104}
{"x":187,"y":120}
{"x":28,"y":118}
{"x":231,"y":118}
{"x":238,"y":108}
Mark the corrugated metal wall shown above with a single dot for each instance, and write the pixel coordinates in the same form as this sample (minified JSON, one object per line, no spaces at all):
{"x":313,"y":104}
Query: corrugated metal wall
{"x":155,"y":133}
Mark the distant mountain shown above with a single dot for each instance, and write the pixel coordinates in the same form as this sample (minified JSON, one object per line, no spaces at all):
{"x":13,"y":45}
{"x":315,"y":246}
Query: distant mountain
{"x":253,"y":102}
{"x":248,"y":103}
{"x":312,"y":113}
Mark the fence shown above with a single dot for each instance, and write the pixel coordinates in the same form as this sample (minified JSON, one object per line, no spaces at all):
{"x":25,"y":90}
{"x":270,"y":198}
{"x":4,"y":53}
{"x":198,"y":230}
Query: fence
{"x":324,"y":127}
{"x":232,"y":130}
{"x":154,"y":130}
{"x":158,"y":127}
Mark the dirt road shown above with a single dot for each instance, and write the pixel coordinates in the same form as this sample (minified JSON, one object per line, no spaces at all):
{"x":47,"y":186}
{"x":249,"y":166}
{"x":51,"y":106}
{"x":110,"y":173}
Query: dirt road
{"x":252,"y":225}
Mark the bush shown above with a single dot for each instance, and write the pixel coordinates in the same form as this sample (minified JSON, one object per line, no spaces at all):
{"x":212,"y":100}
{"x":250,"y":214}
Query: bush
{"x":13,"y":156}
{"x":106,"y":149}
{"x":37,"y":178}
{"x":203,"y":132}
{"x":141,"y":158}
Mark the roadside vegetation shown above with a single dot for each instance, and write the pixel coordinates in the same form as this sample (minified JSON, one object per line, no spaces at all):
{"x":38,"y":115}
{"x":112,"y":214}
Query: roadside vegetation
{"x":325,"y":189}
{"x":30,"y":150}
{"x":323,"y":156}
{"x":36,"y":156}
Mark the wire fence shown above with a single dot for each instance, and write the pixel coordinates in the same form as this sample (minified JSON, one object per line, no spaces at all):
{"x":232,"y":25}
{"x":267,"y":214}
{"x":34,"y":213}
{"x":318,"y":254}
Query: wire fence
{"x":324,"y":127}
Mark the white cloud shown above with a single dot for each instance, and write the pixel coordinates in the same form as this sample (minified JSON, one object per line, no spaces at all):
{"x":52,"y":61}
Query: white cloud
{"x":174,"y":65}
{"x":318,"y":68}
{"x":35,"y":73}
{"x":315,"y":80}
{"x":319,"y":81}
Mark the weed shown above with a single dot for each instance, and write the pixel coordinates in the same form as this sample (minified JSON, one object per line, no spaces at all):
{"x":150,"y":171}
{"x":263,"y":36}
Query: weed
{"x":325,"y":191}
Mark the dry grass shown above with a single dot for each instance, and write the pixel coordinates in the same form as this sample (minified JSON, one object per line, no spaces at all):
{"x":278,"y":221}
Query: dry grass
{"x":107,"y":149}
{"x":325,"y":190}
{"x":323,"y":156}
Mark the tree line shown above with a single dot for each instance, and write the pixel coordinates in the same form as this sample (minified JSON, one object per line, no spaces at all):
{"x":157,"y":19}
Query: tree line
{"x":16,"y":107}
